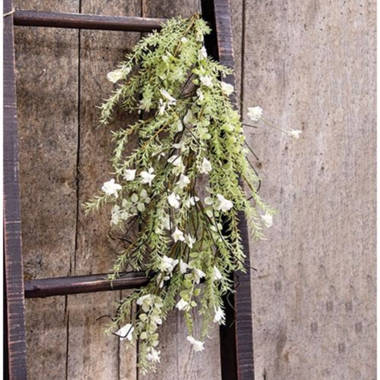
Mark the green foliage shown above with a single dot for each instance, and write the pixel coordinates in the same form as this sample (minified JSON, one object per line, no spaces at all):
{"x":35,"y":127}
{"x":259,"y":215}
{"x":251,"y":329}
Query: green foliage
{"x":180,"y":186}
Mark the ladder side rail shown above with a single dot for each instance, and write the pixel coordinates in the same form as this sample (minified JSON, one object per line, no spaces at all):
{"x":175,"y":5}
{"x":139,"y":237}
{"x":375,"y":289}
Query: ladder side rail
{"x":236,"y":336}
{"x":15,"y":368}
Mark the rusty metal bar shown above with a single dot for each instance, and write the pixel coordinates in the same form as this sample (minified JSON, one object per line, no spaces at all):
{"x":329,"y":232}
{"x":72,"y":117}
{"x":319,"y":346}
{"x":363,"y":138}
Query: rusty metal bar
{"x":86,"y":21}
{"x":59,"y":286}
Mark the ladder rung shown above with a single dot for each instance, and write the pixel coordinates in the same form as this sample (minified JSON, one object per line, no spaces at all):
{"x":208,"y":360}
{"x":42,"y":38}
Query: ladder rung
{"x":85,"y":21}
{"x":58,"y":286}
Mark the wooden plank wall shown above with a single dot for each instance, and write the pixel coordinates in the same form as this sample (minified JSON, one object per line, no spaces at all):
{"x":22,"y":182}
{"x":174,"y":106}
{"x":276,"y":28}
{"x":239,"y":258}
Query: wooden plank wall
{"x":311,"y":66}
{"x":61,"y":78}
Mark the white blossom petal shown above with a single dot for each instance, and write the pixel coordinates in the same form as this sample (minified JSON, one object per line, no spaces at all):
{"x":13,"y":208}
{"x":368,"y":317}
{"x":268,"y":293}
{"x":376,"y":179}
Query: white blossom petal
{"x":183,"y":181}
{"x":189,"y":240}
{"x":183,"y":267}
{"x":223,"y":203}
{"x":219,"y":316}
{"x":111,"y":188}
{"x":153,"y":355}
{"x":295,"y":133}
{"x":216,"y":275}
{"x":267,"y":219}
{"x":227,"y":88}
{"x":125,"y":332}
{"x":255,"y":113}
{"x":174,"y":200}
{"x":129,"y":174}
{"x":206,"y":80}
{"x":197,"y":344}
{"x":147,"y":176}
{"x":182,"y":305}
{"x":205,"y":166}
{"x":168,"y":264}
{"x":116,"y":75}
{"x":168,"y":97}
{"x":178,"y":235}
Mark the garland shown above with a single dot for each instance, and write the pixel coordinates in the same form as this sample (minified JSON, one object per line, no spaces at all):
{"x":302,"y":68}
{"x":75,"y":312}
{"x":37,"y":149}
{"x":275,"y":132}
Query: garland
{"x":176,"y":197}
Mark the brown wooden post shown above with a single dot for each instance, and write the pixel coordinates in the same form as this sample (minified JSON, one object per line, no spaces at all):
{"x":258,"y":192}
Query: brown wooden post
{"x":15,"y":368}
{"x":236,"y":336}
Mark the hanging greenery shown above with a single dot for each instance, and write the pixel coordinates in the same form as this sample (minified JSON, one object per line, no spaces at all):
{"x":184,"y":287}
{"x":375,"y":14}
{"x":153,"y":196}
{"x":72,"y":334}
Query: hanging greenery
{"x":176,"y":197}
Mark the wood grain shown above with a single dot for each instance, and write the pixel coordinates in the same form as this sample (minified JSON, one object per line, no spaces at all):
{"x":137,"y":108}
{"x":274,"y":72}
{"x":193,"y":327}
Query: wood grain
{"x":311,"y":66}
{"x":14,"y":306}
{"x":86,"y":21}
{"x":46,"y":93}
{"x":92,"y":354}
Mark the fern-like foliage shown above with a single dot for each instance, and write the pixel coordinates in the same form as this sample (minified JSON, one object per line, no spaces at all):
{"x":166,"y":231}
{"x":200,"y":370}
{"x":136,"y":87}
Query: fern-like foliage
{"x":183,"y":185}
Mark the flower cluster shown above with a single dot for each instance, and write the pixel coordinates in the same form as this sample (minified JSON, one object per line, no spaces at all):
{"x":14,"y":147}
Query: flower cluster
{"x":176,"y":198}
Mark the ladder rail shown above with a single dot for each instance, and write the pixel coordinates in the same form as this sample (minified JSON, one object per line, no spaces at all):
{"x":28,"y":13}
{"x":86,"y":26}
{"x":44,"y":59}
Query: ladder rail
{"x":86,"y":21}
{"x":59,"y":286}
{"x":237,"y":360}
{"x":13,"y":276}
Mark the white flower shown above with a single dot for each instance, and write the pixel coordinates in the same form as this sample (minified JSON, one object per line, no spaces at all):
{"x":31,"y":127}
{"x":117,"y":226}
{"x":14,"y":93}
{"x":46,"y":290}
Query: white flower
{"x":216,"y":275}
{"x":147,"y":176}
{"x":190,"y":201}
{"x":129,"y":174}
{"x":183,"y":181}
{"x":156,"y":319}
{"x":267,"y":219}
{"x":206,"y":80}
{"x":168,"y":264}
{"x":178,"y":235}
{"x":189,"y":240}
{"x":223,"y":203}
{"x":182,"y":305}
{"x":175,"y":160}
{"x":205,"y":166}
{"x":174,"y":200}
{"x":147,"y":299}
{"x":209,"y":201}
{"x":255,"y":113}
{"x":197,"y":344}
{"x":183,"y":267}
{"x":184,"y":40}
{"x":168,"y":97}
{"x":125,"y":332}
{"x":219,"y":316}
{"x":198,"y":275}
{"x":153,"y":355}
{"x":179,"y":145}
{"x":295,"y":133}
{"x":202,"y":53}
{"x":111,"y":188}
{"x":200,"y":94}
{"x":117,"y":74}
{"x":227,"y":88}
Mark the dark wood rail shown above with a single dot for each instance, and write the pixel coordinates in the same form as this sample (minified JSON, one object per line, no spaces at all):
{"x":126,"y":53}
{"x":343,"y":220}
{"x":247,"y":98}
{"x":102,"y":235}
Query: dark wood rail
{"x":58,"y":286}
{"x":85,"y":21}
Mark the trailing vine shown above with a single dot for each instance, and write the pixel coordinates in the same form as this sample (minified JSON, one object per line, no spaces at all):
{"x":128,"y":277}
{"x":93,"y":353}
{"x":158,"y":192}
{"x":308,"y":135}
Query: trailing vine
{"x":176,"y":197}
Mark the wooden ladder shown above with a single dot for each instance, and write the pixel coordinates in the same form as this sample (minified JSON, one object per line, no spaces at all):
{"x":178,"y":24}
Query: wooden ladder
{"x":236,"y":340}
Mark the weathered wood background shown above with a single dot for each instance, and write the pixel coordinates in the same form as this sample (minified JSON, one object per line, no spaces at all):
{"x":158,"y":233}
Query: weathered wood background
{"x":311,"y":65}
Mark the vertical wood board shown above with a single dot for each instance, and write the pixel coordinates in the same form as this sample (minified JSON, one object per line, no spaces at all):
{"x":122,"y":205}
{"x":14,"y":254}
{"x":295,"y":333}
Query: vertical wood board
{"x":311,"y":66}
